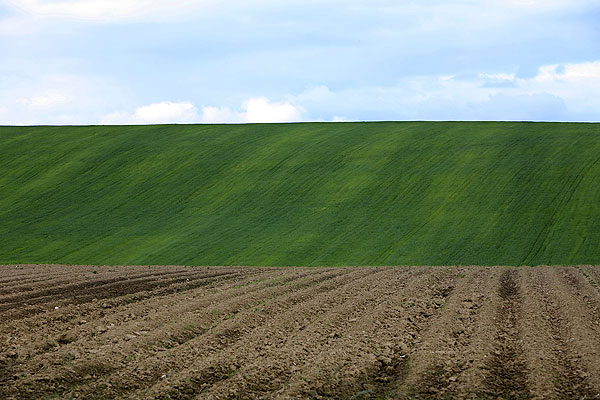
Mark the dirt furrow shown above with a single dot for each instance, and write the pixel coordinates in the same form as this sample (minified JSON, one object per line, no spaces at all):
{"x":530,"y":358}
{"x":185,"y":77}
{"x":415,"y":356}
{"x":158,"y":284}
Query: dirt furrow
{"x":592,"y":274}
{"x":372,"y":355}
{"x":11,"y":273}
{"x":325,"y":331}
{"x":11,"y":278}
{"x":556,"y":364}
{"x":449,"y":360}
{"x":30,"y":284}
{"x":583,"y":289}
{"x":506,"y":367}
{"x":118,"y":293}
{"x":70,"y":273}
{"x":81,"y":291}
{"x":160,"y":332}
{"x":173,"y":332}
{"x":580,"y":303}
{"x":279,"y":325}
{"x":38,"y":287}
{"x":324,"y":334}
{"x":73,"y":319}
{"x":144,"y":319}
{"x":59,"y":351}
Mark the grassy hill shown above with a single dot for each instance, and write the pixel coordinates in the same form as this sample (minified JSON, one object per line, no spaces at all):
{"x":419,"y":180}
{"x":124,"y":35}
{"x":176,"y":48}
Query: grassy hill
{"x":302,"y":194}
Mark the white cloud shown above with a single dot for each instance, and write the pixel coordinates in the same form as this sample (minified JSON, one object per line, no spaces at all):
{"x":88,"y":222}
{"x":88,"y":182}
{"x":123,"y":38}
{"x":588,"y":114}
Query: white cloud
{"x":589,"y":70}
{"x":165,"y":112}
{"x":578,"y":84}
{"x":556,"y":93}
{"x":253,"y":110}
{"x":260,"y":109}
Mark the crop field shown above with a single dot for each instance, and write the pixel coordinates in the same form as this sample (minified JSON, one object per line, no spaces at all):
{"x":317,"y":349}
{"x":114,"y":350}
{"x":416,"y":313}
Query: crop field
{"x":311,"y":194}
{"x":362,"y":332}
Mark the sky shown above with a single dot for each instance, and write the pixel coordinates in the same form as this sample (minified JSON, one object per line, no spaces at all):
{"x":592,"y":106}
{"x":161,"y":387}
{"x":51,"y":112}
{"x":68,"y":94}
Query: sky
{"x":207,"y":61}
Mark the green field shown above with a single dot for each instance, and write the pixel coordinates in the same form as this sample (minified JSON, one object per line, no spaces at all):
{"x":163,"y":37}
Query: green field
{"x":388,"y":193}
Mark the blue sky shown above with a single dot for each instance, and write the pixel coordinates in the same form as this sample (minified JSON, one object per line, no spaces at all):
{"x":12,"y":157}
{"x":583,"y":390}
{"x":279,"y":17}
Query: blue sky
{"x":149,"y":61}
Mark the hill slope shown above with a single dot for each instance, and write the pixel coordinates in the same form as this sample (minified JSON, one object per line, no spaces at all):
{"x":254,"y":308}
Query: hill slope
{"x":409,"y":193}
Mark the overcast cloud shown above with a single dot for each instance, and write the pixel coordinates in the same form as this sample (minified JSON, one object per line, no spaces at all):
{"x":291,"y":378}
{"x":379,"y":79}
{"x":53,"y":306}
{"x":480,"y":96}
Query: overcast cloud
{"x":186,"y":61}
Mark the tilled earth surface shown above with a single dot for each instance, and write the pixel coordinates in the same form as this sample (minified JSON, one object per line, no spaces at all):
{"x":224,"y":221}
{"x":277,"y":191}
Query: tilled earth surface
{"x":354,"y":333}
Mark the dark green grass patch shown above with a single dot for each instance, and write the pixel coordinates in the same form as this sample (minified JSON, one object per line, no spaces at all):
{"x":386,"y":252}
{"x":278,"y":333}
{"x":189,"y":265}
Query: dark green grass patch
{"x":302,"y":194}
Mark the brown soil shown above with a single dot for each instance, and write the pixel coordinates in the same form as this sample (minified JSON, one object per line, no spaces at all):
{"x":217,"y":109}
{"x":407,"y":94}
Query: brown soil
{"x":355,"y":333}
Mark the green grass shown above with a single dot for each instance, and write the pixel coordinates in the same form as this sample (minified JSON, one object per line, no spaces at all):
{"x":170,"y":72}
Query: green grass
{"x":392,"y":193}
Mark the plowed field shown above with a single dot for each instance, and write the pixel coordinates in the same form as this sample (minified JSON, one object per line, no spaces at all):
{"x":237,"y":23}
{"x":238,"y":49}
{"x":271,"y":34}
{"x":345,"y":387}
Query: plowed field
{"x":232,"y":332}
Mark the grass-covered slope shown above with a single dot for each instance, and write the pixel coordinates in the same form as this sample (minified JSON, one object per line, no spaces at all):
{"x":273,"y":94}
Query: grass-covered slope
{"x":302,"y":194}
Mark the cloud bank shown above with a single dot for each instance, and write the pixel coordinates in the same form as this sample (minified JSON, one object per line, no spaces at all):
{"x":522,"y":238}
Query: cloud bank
{"x":567,"y":92}
{"x":253,"y":110}
{"x":556,"y":93}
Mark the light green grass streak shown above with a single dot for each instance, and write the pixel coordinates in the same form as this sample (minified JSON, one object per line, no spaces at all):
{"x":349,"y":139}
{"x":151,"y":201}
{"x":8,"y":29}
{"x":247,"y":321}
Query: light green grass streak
{"x":302,"y":194}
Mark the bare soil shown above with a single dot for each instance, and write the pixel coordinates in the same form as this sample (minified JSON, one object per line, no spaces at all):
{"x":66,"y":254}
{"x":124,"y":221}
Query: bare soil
{"x":170,"y":332}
